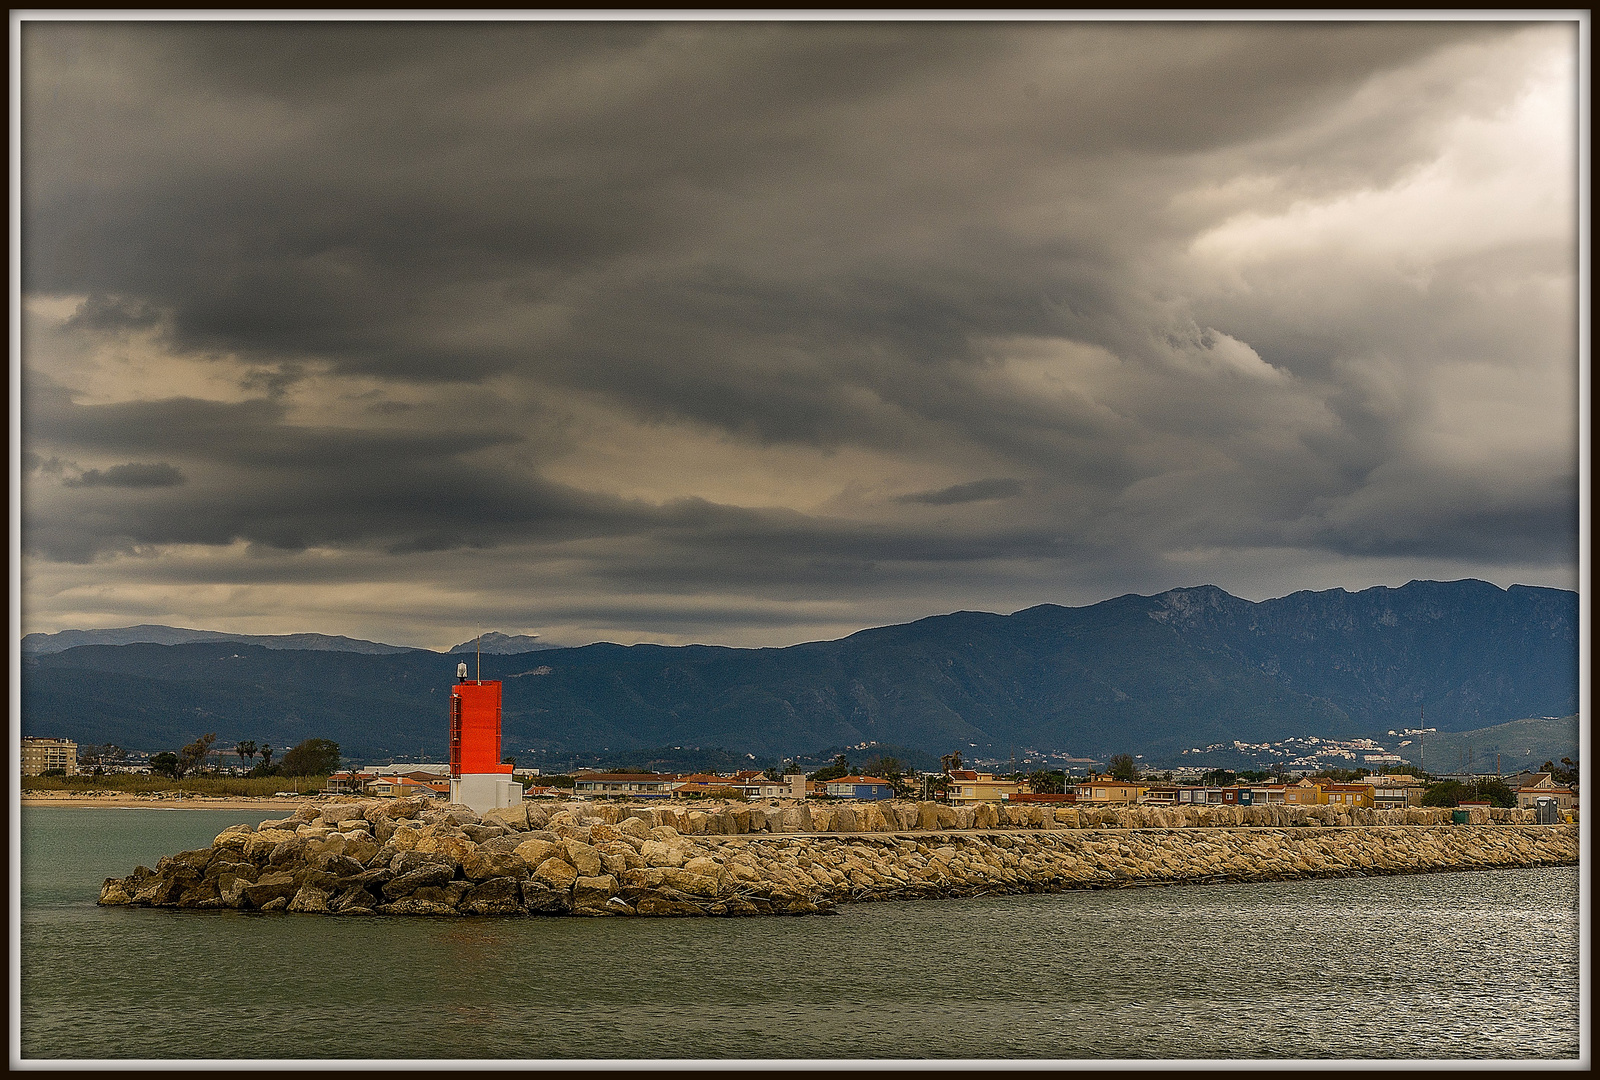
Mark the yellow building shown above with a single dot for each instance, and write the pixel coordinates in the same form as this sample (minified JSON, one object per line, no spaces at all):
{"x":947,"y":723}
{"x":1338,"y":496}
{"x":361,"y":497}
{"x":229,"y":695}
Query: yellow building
{"x":1103,"y":789}
{"x":1304,"y":793}
{"x":968,"y":787}
{"x":1347,"y":794}
{"x":41,"y":755}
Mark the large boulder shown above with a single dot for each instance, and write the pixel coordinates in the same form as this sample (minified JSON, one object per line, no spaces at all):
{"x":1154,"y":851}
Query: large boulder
{"x":447,"y":848}
{"x":416,"y":905}
{"x":556,"y":874}
{"x":510,"y":817}
{"x":482,"y":865}
{"x":635,"y":827}
{"x":310,"y":900}
{"x":540,"y":899}
{"x":337,"y":865}
{"x":660,"y":853}
{"x":260,"y":844}
{"x":406,"y":861}
{"x":290,"y":852}
{"x":687,"y":881}
{"x":582,"y":856}
{"x":434,"y":874}
{"x":601,"y":833}
{"x":592,"y":896}
{"x":494,"y":896}
{"x":482,"y":834}
{"x":268,"y":887}
{"x":534,"y":852}
{"x":233,"y":839}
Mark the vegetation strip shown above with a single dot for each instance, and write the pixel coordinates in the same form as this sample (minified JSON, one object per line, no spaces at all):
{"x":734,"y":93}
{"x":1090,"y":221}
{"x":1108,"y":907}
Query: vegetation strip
{"x":396,"y":857}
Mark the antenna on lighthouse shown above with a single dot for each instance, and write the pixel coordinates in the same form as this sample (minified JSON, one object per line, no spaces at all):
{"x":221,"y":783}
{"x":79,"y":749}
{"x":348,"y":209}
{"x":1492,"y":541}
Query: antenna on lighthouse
{"x":480,"y":654}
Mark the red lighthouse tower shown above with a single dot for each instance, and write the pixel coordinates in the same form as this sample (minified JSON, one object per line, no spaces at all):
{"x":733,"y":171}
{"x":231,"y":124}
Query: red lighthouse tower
{"x":478,"y":778}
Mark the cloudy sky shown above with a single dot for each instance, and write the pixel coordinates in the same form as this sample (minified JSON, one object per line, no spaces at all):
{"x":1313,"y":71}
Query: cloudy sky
{"x":760,"y":333}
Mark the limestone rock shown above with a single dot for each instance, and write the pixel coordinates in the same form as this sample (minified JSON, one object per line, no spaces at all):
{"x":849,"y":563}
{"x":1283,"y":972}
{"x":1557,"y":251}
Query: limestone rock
{"x":405,"y":862}
{"x":510,"y":817}
{"x":556,"y":874}
{"x":269,"y":887}
{"x":404,"y":884}
{"x":582,"y":856}
{"x":591,"y":895}
{"x":494,"y":896}
{"x":534,"y":852}
{"x":449,"y":849}
{"x":483,"y":865}
{"x":539,"y":899}
{"x":634,"y":827}
{"x":260,"y":844}
{"x":309,"y":900}
{"x":233,"y":839}
{"x":412,"y":905}
{"x":116,"y":891}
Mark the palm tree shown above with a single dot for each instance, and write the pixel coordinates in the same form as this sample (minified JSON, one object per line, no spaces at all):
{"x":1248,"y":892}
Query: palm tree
{"x":266,"y":754}
{"x":246,"y":751}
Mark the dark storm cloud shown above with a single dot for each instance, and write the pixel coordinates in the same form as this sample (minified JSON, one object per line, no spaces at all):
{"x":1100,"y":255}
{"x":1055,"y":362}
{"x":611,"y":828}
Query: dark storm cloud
{"x":968,"y":247}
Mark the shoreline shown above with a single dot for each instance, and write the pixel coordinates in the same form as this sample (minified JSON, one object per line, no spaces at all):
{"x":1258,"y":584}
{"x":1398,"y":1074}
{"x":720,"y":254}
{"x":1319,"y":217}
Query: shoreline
{"x":134,"y":801}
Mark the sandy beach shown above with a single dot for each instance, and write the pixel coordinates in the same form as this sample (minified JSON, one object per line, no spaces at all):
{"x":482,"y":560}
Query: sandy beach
{"x":122,"y":800}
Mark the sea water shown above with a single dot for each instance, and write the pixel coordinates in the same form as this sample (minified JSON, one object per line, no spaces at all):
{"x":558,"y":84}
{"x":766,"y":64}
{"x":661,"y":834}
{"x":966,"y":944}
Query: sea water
{"x":1449,"y":965}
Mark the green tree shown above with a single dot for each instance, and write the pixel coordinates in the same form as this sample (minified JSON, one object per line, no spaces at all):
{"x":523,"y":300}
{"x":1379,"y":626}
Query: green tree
{"x":950,"y":762}
{"x":313,"y":757}
{"x":192,"y":756}
{"x":1123,"y":768}
{"x":1497,"y":792}
{"x":1047,"y":781}
{"x":1219,"y":777}
{"x":886,"y":767}
{"x":840,"y":767}
{"x":266,"y":755}
{"x":1447,"y":793}
{"x":246,"y":751}
{"x":165,"y":764}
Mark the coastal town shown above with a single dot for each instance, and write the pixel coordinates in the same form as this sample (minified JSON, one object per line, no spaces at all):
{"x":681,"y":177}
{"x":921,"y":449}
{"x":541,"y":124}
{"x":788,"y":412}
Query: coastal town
{"x":954,"y":786}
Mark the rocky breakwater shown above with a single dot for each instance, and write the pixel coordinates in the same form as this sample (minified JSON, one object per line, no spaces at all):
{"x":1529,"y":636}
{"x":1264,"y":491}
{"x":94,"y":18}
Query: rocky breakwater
{"x":399,"y":857}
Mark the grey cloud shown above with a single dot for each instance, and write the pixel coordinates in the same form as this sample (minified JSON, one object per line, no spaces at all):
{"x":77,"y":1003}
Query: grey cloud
{"x":781,"y":235}
{"x":132,"y":475}
{"x":100,"y":312}
{"x":975,"y":491}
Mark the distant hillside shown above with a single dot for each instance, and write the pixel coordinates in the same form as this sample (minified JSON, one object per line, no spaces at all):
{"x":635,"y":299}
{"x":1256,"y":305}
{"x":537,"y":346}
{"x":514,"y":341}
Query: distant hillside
{"x":39,"y":644}
{"x":496,"y":644}
{"x":1139,"y":674}
{"x":1521,"y":744}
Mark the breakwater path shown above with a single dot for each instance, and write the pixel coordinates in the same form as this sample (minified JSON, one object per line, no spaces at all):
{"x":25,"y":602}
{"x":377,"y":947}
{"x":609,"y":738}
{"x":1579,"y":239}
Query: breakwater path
{"x":399,"y":857}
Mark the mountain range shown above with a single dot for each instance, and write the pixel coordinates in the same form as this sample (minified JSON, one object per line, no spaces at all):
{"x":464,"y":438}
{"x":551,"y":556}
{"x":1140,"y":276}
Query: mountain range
{"x":1140,"y":674}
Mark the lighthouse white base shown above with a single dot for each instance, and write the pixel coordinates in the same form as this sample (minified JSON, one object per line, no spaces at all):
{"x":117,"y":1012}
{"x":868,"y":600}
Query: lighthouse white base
{"x":485,"y":791}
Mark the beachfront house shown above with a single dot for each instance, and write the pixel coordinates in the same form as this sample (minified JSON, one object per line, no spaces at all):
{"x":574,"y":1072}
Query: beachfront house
{"x":968,"y":787}
{"x":860,"y":787}
{"x":630,"y":785}
{"x":1104,"y":789}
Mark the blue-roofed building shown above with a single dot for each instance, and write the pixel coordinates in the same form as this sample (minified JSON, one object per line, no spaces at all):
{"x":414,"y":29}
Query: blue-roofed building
{"x":860,"y":787}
